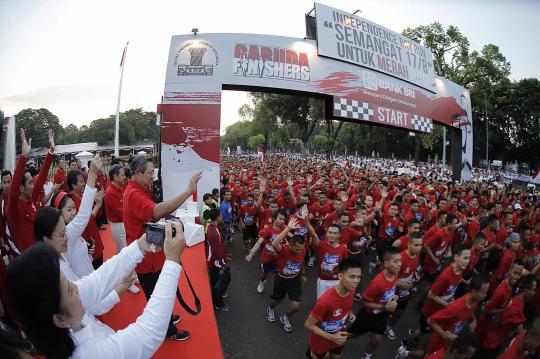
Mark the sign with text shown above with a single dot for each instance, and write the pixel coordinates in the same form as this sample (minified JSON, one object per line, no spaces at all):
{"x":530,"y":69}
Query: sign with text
{"x":350,"y":38}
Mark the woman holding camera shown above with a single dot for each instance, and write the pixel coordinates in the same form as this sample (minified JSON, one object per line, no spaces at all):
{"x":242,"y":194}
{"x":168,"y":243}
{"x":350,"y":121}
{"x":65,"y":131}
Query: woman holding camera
{"x":52,"y":310}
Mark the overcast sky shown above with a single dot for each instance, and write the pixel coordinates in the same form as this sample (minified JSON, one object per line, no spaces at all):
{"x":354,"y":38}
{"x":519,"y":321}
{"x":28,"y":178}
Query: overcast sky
{"x":64,"y":55}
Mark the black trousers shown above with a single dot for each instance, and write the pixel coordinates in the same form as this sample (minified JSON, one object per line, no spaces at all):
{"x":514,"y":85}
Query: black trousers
{"x":148,"y":283}
{"x":217,"y":293}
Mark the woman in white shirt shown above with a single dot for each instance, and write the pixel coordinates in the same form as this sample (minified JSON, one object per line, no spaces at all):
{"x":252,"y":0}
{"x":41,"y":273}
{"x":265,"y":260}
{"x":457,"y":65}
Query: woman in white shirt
{"x":52,"y":311}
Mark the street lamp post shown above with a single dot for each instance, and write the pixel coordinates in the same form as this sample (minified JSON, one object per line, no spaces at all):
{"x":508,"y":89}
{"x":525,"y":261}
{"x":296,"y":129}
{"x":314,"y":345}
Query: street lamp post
{"x":487,"y":131}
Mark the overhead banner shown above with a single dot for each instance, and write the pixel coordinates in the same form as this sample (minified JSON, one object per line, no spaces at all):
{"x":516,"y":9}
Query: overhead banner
{"x":200,"y":65}
{"x":345,"y":37}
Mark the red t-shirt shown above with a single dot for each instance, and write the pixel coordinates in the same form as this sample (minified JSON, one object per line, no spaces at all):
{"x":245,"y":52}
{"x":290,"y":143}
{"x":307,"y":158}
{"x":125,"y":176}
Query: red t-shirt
{"x":513,"y":351}
{"x":289,"y":263}
{"x":475,"y":258}
{"x":331,"y":310}
{"x":403,"y":242}
{"x":113,"y":203}
{"x":431,"y":232}
{"x":438,"y":244}
{"x":389,"y":227}
{"x":265,"y":219}
{"x":445,"y":287}
{"x":512,"y":316}
{"x":328,"y":259}
{"x":332,"y":217}
{"x":249,"y":215}
{"x":318,"y":211}
{"x":288,"y":206}
{"x":504,"y":265}
{"x":452,"y":319}
{"x":438,"y":354}
{"x":138,"y":209}
{"x":490,"y":238}
{"x":499,"y":299}
{"x":268,"y":234}
{"x":380,"y":291}
{"x":406,"y":274}
{"x":472,"y":229}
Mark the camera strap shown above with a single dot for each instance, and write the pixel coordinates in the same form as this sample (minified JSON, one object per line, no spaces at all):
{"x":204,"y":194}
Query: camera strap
{"x":195,"y":297}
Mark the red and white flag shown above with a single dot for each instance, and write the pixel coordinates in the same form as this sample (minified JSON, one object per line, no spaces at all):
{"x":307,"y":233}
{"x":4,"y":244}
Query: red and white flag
{"x":124,"y":55}
{"x":260,"y":153}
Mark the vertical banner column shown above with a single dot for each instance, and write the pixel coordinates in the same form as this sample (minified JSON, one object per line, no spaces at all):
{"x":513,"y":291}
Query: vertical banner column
{"x":190,"y":141}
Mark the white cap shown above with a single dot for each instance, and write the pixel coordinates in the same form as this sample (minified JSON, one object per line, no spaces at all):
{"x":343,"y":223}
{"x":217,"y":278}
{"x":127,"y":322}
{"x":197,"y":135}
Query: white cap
{"x":517,"y":206}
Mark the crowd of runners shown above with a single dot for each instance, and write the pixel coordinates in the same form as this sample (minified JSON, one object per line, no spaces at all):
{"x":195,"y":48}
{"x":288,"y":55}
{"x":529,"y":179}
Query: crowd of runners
{"x":474,"y":246}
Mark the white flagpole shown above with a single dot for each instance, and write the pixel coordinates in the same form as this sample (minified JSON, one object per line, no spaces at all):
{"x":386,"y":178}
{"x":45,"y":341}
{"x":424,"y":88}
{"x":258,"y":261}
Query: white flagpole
{"x":117,"y":122}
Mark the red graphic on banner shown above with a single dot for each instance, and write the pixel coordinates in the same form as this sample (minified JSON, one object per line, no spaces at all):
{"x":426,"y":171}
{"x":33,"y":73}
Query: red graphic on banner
{"x":401,"y":98}
{"x":193,"y":125}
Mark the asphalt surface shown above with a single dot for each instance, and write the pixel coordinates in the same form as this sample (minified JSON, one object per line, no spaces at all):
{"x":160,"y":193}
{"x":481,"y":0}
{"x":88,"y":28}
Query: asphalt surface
{"x":245,"y":332}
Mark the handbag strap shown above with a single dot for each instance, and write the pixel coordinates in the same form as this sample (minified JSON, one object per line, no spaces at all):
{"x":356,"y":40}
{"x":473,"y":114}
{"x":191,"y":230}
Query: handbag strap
{"x":196,"y":298}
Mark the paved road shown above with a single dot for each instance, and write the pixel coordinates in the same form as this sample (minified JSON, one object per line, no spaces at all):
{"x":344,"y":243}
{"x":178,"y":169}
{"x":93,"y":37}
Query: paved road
{"x":245,"y":333}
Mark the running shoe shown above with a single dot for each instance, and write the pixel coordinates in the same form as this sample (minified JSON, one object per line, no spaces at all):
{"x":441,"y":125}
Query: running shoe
{"x":176,"y":318}
{"x":402,"y":352}
{"x":223,"y":308}
{"x":134,"y":289}
{"x":286,"y":324}
{"x":270,"y":315}
{"x":179,"y":335}
{"x":390,"y":333}
{"x":260,"y":287}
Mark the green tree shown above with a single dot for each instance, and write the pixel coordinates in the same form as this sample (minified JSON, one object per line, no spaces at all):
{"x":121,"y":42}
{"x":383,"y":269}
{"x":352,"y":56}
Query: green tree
{"x":36,"y":122}
{"x":256,"y":141}
{"x":453,"y":59}
{"x":70,"y":135}
{"x":236,"y":134}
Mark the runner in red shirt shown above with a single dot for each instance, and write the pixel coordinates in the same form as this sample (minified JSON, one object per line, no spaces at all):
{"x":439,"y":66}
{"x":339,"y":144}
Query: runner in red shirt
{"x":512,"y":318}
{"x":389,"y":227}
{"x":407,"y":278}
{"x":333,"y":217}
{"x":438,"y":247}
{"x":448,"y":323}
{"x":524,"y":345}
{"x":490,"y":253}
{"x":378,"y":301}
{"x":441,"y":293}
{"x":249,"y":216}
{"x":290,"y":275}
{"x":266,"y":217}
{"x":330,"y":253}
{"x":413,"y":226}
{"x":510,"y":255}
{"x":464,"y":347}
{"x":268,"y":254}
{"x":319,"y":210}
{"x":491,"y":316}
{"x":327,"y":320}
{"x":441,"y":222}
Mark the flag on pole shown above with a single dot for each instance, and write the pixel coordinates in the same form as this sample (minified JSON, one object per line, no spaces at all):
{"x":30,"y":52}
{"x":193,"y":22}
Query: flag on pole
{"x":123,"y":55}
{"x":117,"y":120}
{"x":260,"y":153}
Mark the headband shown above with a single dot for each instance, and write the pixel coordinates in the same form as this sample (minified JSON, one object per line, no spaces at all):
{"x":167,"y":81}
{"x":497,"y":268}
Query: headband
{"x":59,"y":198}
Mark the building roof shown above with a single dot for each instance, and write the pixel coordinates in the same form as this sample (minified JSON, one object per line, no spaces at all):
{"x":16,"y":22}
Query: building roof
{"x":75,"y":148}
